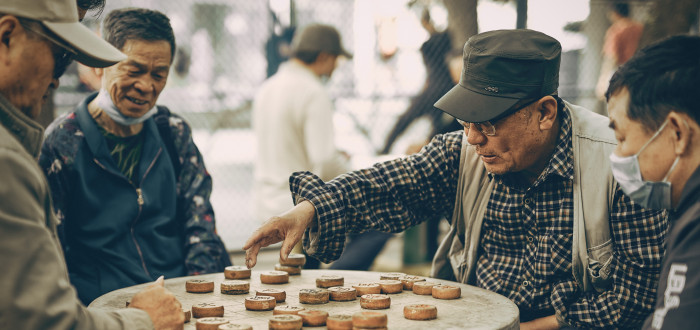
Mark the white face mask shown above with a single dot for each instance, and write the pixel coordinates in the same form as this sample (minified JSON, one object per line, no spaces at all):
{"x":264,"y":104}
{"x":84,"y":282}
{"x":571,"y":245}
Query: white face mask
{"x":648,"y":194}
{"x":104,"y":102}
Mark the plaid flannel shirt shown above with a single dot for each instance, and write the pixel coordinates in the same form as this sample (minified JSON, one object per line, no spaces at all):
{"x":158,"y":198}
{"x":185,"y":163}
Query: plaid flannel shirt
{"x":526,"y":236}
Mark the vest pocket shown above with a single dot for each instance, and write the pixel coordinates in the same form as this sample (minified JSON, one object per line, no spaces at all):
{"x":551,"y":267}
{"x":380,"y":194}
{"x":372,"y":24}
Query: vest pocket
{"x":600,"y":265}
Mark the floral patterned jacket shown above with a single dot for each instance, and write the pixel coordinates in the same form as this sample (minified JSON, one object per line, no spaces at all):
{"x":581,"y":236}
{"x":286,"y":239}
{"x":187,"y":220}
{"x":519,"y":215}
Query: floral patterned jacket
{"x":163,"y":226}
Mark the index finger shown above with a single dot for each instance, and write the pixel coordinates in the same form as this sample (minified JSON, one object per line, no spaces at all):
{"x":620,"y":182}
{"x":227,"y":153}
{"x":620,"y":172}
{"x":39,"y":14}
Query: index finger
{"x":251,"y":256}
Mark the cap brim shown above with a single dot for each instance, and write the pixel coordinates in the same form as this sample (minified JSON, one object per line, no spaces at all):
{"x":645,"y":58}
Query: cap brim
{"x":470,"y":106}
{"x":345,"y":53}
{"x":91,"y":50}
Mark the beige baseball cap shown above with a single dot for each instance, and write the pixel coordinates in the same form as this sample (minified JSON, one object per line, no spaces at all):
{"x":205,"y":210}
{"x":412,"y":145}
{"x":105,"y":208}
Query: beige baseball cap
{"x":61,"y":18}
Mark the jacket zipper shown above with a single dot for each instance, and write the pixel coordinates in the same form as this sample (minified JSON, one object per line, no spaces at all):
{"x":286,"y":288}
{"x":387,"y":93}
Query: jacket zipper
{"x":140,"y":201}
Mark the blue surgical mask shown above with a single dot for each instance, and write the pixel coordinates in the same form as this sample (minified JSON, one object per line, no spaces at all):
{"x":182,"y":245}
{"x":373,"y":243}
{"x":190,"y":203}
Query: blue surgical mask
{"x":648,"y":194}
{"x":104,"y":102}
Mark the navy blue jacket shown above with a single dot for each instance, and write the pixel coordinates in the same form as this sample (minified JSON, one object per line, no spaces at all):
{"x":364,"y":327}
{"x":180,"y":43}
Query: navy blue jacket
{"x":678,"y":295}
{"x":115,"y":233}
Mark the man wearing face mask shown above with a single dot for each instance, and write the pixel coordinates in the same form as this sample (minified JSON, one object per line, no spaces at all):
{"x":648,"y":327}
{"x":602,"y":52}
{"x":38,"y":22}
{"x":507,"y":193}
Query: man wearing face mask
{"x":654,"y":109}
{"x":129,"y":184}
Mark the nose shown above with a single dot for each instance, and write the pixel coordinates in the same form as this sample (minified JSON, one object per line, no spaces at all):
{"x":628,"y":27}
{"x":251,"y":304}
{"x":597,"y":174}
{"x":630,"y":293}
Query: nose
{"x":144,"y":85}
{"x":474,"y":135}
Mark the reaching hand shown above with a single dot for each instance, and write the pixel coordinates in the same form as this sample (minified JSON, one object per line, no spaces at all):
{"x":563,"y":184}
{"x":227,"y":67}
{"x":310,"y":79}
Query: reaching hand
{"x":161,"y":305}
{"x":287,"y":228}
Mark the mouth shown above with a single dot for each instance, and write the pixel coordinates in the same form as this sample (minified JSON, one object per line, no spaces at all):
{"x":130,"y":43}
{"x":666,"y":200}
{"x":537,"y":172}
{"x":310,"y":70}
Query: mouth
{"x":487,"y":158}
{"x":136,"y":101}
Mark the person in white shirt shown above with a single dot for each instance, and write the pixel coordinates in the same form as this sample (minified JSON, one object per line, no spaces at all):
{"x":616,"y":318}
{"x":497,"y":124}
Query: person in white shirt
{"x":293,"y":124}
{"x":293,"y":120}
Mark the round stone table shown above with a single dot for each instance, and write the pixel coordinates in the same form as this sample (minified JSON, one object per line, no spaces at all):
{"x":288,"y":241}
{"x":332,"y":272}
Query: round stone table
{"x":475,"y":309}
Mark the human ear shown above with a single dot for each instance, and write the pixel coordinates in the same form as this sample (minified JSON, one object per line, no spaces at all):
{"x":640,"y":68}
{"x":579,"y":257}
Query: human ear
{"x":547,"y":109}
{"x":682,"y":132}
{"x":8,"y":31}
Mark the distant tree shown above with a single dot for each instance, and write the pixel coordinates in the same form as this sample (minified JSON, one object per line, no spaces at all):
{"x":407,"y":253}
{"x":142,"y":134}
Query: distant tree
{"x":462,"y":21}
{"x":669,"y":17}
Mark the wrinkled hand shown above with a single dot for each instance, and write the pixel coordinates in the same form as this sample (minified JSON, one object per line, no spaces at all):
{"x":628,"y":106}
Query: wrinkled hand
{"x":287,"y":228}
{"x":161,"y":305}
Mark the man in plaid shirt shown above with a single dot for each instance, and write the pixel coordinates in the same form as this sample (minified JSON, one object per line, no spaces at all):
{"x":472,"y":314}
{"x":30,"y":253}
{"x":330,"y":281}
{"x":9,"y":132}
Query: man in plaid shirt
{"x":535,"y":214}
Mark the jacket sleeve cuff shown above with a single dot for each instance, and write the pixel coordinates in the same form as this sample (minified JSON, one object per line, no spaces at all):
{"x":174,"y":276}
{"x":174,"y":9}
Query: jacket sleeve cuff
{"x":136,"y":319}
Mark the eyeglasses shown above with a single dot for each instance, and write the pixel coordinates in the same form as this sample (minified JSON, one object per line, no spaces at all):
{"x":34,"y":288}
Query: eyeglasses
{"x":62,"y":55}
{"x":487,"y":128}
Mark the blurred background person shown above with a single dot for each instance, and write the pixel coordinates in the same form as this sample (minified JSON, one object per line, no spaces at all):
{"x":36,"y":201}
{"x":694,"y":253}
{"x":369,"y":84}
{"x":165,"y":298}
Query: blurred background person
{"x":129,"y":184}
{"x":621,"y":41}
{"x":438,"y":82}
{"x":278,"y":45}
{"x":293,"y":124}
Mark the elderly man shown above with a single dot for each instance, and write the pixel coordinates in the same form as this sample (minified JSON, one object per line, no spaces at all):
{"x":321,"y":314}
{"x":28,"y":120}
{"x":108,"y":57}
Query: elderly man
{"x":129,"y":184}
{"x":534,"y":214}
{"x":38,"y":39}
{"x":653,"y":106}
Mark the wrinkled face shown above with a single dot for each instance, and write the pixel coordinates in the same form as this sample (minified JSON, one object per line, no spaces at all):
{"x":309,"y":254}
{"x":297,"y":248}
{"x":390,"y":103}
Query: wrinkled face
{"x":36,"y":66}
{"x":135,"y":83}
{"x":631,"y":135}
{"x":517,"y":146}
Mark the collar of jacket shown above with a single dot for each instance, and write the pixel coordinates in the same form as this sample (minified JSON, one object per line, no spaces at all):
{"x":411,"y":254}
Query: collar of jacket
{"x":27,"y":131}
{"x":691,"y":193}
{"x":98,"y":144}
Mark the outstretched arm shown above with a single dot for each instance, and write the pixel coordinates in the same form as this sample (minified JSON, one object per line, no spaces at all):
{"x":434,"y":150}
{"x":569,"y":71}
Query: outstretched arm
{"x":287,"y":228}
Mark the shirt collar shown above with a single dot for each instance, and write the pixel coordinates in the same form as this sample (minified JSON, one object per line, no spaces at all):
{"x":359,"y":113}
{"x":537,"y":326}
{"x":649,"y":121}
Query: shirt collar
{"x":561,"y":162}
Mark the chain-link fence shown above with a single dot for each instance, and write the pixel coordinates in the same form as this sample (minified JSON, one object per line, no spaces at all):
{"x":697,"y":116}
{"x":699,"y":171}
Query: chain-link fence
{"x":227,"y":48}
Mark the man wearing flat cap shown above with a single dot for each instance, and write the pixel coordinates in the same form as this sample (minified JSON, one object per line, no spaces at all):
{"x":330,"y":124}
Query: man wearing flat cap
{"x":535,"y":214}
{"x":38,"y":39}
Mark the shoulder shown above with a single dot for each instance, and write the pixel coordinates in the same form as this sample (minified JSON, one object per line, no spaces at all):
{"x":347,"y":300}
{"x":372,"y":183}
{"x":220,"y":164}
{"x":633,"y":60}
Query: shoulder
{"x":446,"y":146}
{"x":590,"y":125}
{"x":19,"y":167}
{"x":63,"y":137}
{"x":64,"y":125}
{"x":180,"y":130}
{"x":8,"y":142}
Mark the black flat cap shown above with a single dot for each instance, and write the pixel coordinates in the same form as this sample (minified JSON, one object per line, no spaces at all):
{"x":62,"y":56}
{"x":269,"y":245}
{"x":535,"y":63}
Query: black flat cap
{"x":500,"y":68}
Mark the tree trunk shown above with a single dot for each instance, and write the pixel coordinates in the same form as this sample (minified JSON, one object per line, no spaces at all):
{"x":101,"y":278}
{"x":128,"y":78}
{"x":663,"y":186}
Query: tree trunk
{"x":589,"y":66}
{"x":669,"y":17}
{"x":461,"y":21}
{"x":521,"y":9}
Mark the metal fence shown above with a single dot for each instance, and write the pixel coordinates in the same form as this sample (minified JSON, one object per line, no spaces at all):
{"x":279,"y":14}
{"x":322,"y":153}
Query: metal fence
{"x":223,"y":52}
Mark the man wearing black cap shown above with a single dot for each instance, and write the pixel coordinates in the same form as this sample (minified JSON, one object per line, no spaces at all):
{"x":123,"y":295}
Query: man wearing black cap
{"x":535,"y":214}
{"x":38,"y":38}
